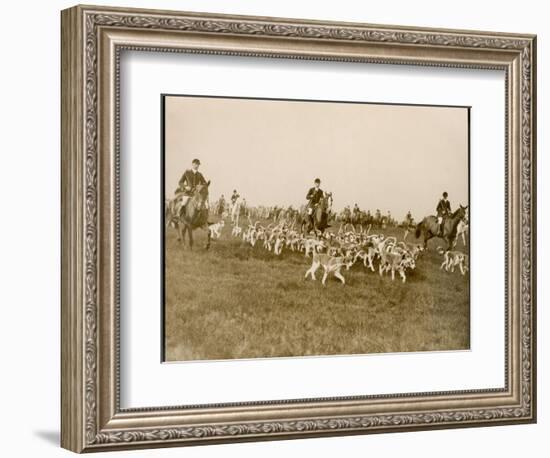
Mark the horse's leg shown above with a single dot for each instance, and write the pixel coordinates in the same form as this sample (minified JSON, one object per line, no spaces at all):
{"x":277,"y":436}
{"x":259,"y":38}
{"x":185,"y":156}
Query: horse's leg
{"x":450,"y":243}
{"x":426,"y":238}
{"x":190,"y":232}
{"x":208,"y":237}
{"x":187,"y":230}
{"x":181,"y":233}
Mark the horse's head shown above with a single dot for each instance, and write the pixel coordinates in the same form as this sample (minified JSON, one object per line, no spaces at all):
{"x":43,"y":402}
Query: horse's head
{"x":201,"y":192}
{"x":327,"y":200}
{"x":461,"y":212}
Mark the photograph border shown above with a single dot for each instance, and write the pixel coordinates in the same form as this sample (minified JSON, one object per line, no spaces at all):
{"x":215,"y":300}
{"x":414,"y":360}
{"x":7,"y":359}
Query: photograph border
{"x":92,"y":39}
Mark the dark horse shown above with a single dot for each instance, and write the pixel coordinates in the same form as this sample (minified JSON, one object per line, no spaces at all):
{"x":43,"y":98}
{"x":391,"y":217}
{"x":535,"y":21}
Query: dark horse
{"x":194,"y":215}
{"x":319,"y":219}
{"x":429,"y":227}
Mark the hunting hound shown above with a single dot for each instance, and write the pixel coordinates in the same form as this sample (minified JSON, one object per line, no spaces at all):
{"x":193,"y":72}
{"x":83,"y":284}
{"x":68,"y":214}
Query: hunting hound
{"x":313,"y":246}
{"x":330,"y":264}
{"x":279,"y":243}
{"x":451,"y":259}
{"x":415,"y":249}
{"x":396,"y":259}
{"x":216,"y":229}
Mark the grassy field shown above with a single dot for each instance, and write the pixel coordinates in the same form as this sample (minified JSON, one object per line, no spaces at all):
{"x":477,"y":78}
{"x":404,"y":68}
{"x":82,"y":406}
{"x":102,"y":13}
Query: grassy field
{"x":239,"y":301}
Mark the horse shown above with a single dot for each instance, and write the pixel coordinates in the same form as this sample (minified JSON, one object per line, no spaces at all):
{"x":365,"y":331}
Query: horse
{"x":170,"y":217}
{"x":429,"y":227}
{"x":360,"y":220}
{"x":194,"y":215}
{"x":319,"y":217}
{"x":236,"y":211}
{"x":409,"y":227}
{"x":346,"y":220}
{"x":462,"y":230}
{"x":355,"y":221}
{"x":220,"y":207}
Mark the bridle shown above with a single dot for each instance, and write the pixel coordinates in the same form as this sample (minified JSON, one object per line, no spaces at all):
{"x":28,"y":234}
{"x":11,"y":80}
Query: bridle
{"x":199,"y":196}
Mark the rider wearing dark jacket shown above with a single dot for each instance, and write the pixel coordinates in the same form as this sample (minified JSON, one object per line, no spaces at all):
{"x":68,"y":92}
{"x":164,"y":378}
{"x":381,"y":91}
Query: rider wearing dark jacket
{"x":189,"y":181}
{"x":443,"y":210}
{"x":314,"y":195}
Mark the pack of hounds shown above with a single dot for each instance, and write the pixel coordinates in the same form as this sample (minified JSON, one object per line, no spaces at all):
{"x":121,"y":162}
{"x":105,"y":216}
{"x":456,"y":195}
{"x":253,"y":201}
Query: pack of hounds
{"x":335,"y":252}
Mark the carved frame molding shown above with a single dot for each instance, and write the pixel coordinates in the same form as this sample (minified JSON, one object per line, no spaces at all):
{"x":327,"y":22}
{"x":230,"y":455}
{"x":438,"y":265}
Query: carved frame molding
{"x":92,"y":39}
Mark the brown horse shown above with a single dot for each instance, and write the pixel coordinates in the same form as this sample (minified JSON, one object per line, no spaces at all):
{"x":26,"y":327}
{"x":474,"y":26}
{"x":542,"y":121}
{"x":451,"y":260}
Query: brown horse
{"x":194,"y":215}
{"x":429,"y":227}
{"x":346,"y":219}
{"x":319,"y":220}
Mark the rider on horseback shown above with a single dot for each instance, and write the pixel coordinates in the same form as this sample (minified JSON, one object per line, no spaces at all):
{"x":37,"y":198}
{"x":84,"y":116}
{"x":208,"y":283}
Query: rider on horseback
{"x":443,"y":210}
{"x":189,"y":182}
{"x":314,"y":195}
{"x":234,"y":197}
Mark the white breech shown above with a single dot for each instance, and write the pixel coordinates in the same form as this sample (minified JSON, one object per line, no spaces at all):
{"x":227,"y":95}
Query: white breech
{"x":184,"y":200}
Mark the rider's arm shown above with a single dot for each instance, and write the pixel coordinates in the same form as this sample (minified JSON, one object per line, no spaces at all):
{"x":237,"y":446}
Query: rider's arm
{"x":309,"y":194}
{"x":183,"y":181}
{"x":180,"y":187}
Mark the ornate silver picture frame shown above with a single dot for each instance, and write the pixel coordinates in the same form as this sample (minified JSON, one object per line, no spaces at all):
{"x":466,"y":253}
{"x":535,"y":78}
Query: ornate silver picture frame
{"x":93,"y":39}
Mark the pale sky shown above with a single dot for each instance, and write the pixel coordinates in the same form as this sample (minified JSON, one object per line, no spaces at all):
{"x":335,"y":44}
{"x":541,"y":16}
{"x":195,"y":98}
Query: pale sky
{"x":391,"y":157}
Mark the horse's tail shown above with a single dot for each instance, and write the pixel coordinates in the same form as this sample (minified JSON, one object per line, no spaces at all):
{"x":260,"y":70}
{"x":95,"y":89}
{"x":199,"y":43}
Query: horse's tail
{"x":418,"y":230}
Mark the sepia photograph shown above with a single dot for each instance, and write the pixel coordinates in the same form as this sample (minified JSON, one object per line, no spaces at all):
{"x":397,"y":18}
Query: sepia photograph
{"x":296,"y":228}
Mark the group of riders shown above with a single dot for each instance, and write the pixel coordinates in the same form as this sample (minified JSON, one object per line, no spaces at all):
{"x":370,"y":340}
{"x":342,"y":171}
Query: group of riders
{"x":192,"y":178}
{"x":222,"y":204}
{"x":360,"y":217}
